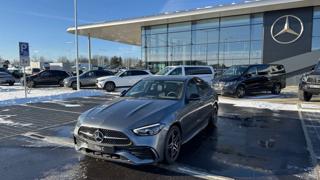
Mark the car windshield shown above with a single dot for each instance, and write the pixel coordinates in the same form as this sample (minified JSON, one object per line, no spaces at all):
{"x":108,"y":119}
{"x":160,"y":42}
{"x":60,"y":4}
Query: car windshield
{"x":157,"y":89}
{"x":164,"y":71}
{"x":235,"y":71}
{"x":119,"y":73}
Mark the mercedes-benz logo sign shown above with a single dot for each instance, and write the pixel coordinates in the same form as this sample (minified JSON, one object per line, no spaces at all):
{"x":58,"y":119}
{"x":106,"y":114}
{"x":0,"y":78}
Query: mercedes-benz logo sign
{"x":286,"y":22}
{"x":98,"y":136}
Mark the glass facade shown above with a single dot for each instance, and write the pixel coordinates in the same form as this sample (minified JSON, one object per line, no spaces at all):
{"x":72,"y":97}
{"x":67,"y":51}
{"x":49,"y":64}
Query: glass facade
{"x":220,"y":42}
{"x":316,"y":29}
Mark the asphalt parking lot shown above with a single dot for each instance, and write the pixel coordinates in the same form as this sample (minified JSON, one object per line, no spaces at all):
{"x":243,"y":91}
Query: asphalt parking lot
{"x":35,"y":143}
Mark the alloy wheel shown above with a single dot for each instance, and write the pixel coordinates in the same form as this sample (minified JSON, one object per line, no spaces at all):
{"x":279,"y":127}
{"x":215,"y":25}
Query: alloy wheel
{"x":173,"y":144}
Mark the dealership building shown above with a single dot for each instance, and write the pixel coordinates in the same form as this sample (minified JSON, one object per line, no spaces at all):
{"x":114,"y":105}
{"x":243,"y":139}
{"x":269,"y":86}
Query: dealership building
{"x":256,"y":31}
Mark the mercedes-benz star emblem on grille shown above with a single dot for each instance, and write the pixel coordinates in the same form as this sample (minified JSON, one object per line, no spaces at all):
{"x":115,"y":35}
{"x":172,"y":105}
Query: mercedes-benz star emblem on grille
{"x":98,"y":136}
{"x":286,"y":23}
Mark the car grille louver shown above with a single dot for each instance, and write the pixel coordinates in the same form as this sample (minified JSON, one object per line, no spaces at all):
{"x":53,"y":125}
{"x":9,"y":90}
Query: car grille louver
{"x":111,"y":137}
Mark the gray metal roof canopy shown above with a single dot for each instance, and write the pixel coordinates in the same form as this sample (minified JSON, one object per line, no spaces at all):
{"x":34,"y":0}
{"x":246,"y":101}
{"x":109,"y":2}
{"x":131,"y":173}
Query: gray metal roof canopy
{"x":128,"y":31}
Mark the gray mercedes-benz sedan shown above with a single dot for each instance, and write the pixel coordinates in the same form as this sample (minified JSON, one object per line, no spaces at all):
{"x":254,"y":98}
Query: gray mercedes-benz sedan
{"x":149,"y":122}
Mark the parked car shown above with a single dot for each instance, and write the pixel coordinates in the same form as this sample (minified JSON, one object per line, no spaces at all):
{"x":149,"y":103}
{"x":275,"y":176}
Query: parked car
{"x":88,"y":78}
{"x":149,"y":122}
{"x":124,"y":78}
{"x":6,"y":78}
{"x":310,"y":84}
{"x":239,"y":80}
{"x":204,"y":72}
{"x":4,"y":70}
{"x":46,"y":77}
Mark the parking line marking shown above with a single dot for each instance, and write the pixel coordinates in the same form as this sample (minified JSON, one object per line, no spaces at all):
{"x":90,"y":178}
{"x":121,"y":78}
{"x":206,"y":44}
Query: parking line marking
{"x":179,"y":168}
{"x":35,"y":130}
{"x":43,"y":108}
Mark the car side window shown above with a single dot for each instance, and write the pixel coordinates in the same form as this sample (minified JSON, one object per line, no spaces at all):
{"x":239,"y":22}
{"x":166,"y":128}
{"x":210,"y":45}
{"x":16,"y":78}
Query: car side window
{"x":139,"y":73}
{"x":90,"y":74}
{"x":45,"y":74}
{"x":192,"y":88}
{"x":176,"y":71}
{"x":197,"y":70}
{"x":126,"y":73}
{"x":263,"y":70}
{"x":252,"y":71}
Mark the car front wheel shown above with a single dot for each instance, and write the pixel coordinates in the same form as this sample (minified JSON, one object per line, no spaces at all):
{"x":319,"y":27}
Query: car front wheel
{"x":304,"y":96}
{"x":276,"y":89}
{"x":214,"y":117}
{"x":109,"y":86}
{"x":172,"y":145}
{"x":240,"y":92}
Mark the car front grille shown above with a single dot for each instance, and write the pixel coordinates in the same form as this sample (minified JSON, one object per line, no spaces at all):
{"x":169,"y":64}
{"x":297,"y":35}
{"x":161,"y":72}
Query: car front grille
{"x":111,"y":137}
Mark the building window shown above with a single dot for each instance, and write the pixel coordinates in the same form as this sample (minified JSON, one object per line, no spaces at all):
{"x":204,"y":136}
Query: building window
{"x":218,"y":42}
{"x":316,"y":29}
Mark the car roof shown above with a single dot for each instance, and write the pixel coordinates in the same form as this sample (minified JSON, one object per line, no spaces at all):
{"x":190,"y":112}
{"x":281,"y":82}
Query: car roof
{"x":173,"y":78}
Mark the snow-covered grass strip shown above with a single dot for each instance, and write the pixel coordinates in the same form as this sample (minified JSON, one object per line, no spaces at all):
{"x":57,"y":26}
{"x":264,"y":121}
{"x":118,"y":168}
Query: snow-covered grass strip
{"x":59,"y":96}
{"x":4,"y":121}
{"x":267,"y":105}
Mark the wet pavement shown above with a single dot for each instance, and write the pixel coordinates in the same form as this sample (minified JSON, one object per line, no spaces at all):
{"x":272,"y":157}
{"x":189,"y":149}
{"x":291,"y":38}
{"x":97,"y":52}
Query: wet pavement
{"x":248,"y":143}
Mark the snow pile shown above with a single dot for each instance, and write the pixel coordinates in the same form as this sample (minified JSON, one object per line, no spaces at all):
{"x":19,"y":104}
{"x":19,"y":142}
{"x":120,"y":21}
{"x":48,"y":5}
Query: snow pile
{"x":15,"y":94}
{"x":259,"y":104}
{"x":268,"y":105}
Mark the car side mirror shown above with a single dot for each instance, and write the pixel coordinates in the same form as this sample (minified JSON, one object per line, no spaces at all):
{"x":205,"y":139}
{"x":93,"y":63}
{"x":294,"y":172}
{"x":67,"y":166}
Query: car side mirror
{"x":194,"y":97}
{"x":123,"y":93}
{"x":248,"y":75}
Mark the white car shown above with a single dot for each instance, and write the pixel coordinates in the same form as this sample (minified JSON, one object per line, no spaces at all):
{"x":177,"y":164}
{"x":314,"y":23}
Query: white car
{"x":204,"y":72}
{"x":122,"y":79}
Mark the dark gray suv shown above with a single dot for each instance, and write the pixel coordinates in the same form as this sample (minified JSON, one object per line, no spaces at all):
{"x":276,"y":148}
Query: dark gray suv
{"x":310,"y":84}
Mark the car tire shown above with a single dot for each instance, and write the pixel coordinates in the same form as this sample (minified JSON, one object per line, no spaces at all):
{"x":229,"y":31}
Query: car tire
{"x":109,"y":86}
{"x":172,"y":145}
{"x":276,"y":89}
{"x":61,"y":83}
{"x":304,"y":96}
{"x":240,"y":91}
{"x":214,"y":117}
{"x":74,"y":85}
{"x":11,"y":83}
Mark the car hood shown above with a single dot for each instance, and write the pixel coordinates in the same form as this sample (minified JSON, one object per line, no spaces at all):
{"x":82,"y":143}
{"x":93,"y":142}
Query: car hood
{"x":226,"y":78}
{"x":127,"y":113}
{"x":105,"y":78}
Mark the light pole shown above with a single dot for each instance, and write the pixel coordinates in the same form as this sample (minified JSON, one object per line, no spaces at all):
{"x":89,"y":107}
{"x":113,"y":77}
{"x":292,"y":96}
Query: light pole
{"x":76,"y":42}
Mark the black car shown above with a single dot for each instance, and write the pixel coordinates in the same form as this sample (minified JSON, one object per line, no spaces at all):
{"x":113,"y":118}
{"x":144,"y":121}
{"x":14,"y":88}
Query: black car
{"x":47,"y":77}
{"x":239,"y":80}
{"x":310,"y":84}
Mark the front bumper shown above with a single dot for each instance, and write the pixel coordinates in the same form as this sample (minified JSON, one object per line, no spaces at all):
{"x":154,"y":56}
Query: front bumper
{"x":310,"y":88}
{"x":100,"y":84}
{"x":141,"y":150}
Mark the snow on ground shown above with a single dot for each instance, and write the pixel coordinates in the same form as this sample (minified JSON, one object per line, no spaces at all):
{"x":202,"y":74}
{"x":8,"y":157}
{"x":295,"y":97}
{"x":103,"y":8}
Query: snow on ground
{"x":4,"y":120}
{"x":12,"y":95}
{"x":258,"y":104}
{"x":253,"y":103}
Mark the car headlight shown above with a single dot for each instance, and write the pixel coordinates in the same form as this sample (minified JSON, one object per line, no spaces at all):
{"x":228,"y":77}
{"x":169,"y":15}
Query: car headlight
{"x":231,"y":83}
{"x":304,"y":78}
{"x":149,"y":130}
